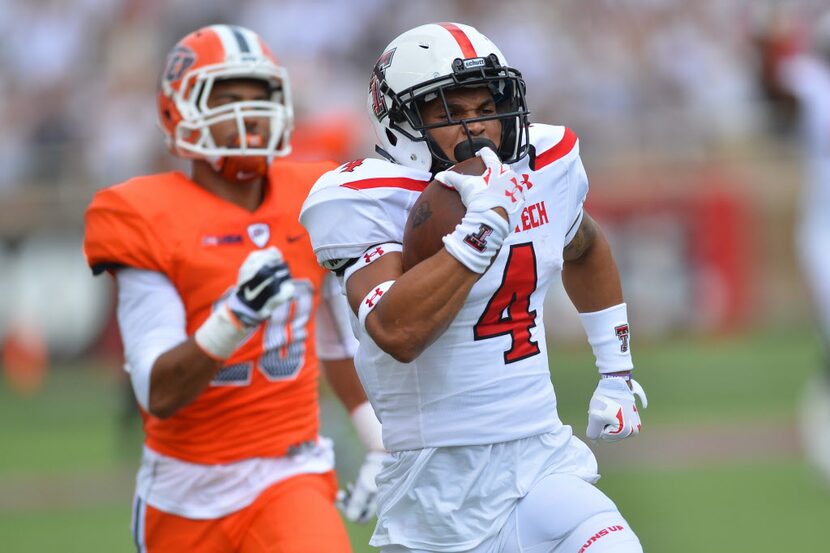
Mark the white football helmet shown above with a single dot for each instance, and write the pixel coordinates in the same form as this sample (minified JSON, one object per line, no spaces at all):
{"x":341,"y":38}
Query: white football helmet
{"x":419,"y":66}
{"x":213,"y":53}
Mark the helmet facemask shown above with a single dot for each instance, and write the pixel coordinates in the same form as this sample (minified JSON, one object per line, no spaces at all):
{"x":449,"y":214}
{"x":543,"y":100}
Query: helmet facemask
{"x":504,"y":83}
{"x":192,"y":137}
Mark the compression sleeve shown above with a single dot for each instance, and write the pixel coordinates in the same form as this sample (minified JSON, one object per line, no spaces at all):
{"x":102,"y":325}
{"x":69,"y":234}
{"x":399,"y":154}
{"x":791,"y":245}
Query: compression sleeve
{"x":151,"y":317}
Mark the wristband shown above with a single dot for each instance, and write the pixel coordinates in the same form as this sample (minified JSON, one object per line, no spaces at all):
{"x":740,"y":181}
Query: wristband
{"x":608,"y":334}
{"x":370,"y":256}
{"x":626,"y":377}
{"x":368,"y":427}
{"x":221,"y":334}
{"x":371,"y":301}
{"x":477,"y":239}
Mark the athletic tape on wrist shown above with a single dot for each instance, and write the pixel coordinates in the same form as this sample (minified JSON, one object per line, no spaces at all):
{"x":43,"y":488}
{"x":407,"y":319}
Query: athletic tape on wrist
{"x":368,"y":427}
{"x":220,"y":334}
{"x":476,"y":239}
{"x":371,"y":300}
{"x":370,"y":256}
{"x":609,"y":336}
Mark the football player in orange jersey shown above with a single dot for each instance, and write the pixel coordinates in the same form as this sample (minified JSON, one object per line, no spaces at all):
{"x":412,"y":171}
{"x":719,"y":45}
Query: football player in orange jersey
{"x":218,"y":293}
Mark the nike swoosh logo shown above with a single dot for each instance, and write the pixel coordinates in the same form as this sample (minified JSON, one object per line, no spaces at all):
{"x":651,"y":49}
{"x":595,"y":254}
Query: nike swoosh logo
{"x":251,"y":293}
{"x":294,"y":238}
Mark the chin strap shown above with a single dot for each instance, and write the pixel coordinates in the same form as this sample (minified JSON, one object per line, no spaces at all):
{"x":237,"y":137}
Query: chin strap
{"x":242,"y":169}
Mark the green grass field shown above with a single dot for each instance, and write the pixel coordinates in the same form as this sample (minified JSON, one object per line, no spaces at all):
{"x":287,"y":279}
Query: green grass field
{"x":67,"y":463}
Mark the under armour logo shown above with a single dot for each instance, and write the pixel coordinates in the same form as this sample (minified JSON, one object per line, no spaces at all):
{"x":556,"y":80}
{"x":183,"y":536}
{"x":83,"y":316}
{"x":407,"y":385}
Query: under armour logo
{"x":479,"y":240}
{"x":526,"y":181}
{"x":517,"y":189}
{"x":622,"y":336}
{"x":367,"y":257}
{"x":371,"y":301}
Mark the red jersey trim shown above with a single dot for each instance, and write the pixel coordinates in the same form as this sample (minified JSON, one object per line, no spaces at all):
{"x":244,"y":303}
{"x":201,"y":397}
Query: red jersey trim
{"x":462,"y":39}
{"x":388,"y":182}
{"x":562,"y":148}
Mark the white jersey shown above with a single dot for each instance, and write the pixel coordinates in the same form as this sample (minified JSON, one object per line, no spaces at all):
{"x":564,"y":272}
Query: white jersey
{"x":486,"y":379}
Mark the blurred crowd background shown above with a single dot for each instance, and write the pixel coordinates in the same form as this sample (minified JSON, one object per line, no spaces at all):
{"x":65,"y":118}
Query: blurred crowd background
{"x":691,"y":149}
{"x":670,"y":99}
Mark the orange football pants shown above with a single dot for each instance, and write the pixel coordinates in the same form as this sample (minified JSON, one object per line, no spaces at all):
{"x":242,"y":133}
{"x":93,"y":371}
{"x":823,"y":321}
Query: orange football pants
{"x":296,"y":515}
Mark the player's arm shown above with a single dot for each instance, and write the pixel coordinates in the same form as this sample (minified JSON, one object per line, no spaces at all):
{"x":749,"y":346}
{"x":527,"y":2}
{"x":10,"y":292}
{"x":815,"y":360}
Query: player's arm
{"x":417,"y":308}
{"x":168,"y":369}
{"x":405,"y":312}
{"x":592,"y":281}
{"x":151,"y":318}
{"x":178,"y":376}
{"x":589,"y":273}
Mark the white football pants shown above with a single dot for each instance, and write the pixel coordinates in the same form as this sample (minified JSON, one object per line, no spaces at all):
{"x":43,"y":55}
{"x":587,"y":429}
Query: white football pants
{"x":561,"y":514}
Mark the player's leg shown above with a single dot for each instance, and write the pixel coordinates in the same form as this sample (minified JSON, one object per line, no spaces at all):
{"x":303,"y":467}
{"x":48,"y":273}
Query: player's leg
{"x":564,"y":514}
{"x":297,"y":516}
{"x":155,"y":531}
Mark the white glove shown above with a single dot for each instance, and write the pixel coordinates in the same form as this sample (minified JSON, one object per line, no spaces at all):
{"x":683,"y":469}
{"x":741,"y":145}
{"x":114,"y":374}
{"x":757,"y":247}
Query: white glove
{"x":612,"y":413}
{"x":263,"y":284}
{"x":358,"y":502}
{"x":499,"y":186}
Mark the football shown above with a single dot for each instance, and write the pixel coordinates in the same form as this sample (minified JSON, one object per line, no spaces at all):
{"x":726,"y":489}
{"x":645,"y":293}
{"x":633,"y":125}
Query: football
{"x":435,"y":214}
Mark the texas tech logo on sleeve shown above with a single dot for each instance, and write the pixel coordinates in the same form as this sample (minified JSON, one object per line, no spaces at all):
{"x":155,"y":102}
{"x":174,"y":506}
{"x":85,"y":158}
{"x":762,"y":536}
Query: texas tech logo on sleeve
{"x":622,"y":336}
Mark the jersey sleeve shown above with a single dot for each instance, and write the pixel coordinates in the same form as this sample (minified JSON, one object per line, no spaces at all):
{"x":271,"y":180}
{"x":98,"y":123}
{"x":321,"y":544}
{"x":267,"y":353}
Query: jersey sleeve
{"x":347,"y":212}
{"x":116,"y":235}
{"x":151,"y":319}
{"x":578,"y":191}
{"x":559,"y":146}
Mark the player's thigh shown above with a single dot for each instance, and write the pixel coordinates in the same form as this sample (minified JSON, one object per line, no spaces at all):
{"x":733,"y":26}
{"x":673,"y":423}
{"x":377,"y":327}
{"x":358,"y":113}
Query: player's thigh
{"x":155,"y":531}
{"x":298,"y":516}
{"x":561,"y":514}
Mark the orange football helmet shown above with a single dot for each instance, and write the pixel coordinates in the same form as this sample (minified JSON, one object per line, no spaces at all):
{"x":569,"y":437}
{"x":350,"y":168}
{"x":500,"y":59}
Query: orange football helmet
{"x":213,"y":53}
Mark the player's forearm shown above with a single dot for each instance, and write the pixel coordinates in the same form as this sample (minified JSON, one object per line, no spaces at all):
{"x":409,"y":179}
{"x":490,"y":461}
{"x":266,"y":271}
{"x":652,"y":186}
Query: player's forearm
{"x":179,"y":375}
{"x":420,"y":306}
{"x":592,"y":280}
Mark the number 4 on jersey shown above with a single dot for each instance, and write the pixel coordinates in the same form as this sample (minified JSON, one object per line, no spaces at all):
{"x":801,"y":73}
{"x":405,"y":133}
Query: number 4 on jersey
{"x":508,"y":311}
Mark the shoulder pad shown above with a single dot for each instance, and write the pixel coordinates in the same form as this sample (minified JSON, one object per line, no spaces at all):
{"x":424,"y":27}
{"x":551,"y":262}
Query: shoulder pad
{"x":363,"y":174}
{"x":552,"y":143}
{"x":117,"y":234}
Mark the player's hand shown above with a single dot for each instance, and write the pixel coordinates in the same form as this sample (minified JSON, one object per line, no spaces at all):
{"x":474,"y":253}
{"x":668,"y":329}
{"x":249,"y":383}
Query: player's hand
{"x":264,"y":283}
{"x":358,"y":502}
{"x":499,"y":186}
{"x":612,"y":413}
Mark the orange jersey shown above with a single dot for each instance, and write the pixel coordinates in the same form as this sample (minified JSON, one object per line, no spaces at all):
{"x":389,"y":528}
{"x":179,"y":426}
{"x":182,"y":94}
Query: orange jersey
{"x":264,"y":400}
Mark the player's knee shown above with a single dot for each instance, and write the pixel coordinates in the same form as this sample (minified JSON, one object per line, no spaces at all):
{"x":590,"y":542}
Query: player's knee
{"x":603,"y":533}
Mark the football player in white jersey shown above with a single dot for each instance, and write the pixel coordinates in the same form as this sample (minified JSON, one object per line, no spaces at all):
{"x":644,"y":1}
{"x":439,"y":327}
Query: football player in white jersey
{"x":452,"y":352}
{"x":807,"y":77}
